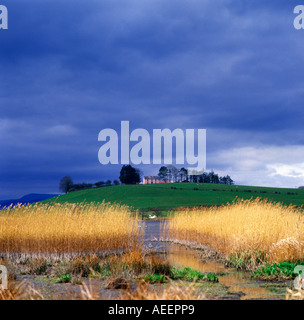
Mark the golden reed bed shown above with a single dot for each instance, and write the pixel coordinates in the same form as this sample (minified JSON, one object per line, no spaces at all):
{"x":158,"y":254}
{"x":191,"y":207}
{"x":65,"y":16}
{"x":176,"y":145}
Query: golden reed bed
{"x":244,"y":226}
{"x":72,"y":228}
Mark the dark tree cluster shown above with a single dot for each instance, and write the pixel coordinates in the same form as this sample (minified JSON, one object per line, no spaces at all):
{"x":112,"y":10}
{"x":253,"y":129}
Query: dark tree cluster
{"x":171,"y":173}
{"x":129,"y":175}
{"x":211,"y":177}
{"x":66,"y":185}
{"x":80,"y":186}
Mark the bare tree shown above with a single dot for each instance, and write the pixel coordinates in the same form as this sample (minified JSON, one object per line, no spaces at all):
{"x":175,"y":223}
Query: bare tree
{"x":183,"y":174}
{"x":173,"y":172}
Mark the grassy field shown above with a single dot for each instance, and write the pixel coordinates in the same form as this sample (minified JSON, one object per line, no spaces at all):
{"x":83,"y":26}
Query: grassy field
{"x":161,"y":198}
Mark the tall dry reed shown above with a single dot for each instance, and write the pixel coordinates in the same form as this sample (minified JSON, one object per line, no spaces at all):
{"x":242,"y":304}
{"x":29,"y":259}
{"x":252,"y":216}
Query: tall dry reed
{"x":61,"y":228}
{"x":244,"y":226}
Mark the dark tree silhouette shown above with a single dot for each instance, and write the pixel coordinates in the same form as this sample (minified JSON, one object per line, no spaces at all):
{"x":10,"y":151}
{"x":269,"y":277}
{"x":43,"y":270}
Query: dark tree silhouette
{"x":129,"y":175}
{"x":229,"y":180}
{"x":116,"y":183}
{"x":80,"y":186}
{"x":173,"y":172}
{"x":66,"y":184}
{"x":99,"y":184}
{"x":183,"y":174}
{"x":163,"y":173}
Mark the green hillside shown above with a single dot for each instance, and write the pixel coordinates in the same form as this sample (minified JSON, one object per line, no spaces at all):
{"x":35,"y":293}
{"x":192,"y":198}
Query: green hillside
{"x":161,"y":198}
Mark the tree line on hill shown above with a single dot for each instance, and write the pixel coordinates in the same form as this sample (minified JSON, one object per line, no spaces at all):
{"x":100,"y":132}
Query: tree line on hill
{"x":66,"y":184}
{"x":171,"y":173}
{"x":130,"y":175}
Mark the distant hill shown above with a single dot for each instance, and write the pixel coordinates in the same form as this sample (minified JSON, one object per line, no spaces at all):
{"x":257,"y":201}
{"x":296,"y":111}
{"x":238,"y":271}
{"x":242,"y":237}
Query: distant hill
{"x":161,"y":198}
{"x":29,"y":198}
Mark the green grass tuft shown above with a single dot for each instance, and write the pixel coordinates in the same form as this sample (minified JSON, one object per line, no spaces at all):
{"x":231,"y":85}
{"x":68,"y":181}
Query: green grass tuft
{"x":65,"y":278}
{"x":283,"y":270}
{"x":188,"y":274}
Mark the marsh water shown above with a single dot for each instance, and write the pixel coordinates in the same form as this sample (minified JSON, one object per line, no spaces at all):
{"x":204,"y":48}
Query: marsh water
{"x":236,"y":281}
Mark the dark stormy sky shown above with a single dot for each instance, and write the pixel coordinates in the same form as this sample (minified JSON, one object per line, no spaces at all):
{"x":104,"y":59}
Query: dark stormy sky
{"x":70,"y":68}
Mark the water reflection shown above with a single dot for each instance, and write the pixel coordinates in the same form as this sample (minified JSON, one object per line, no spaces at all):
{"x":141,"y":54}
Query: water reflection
{"x":181,"y":256}
{"x":238,"y":282}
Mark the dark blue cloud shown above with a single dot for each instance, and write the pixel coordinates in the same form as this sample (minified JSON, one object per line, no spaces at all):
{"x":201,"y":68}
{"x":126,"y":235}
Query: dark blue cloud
{"x":70,"y":69}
